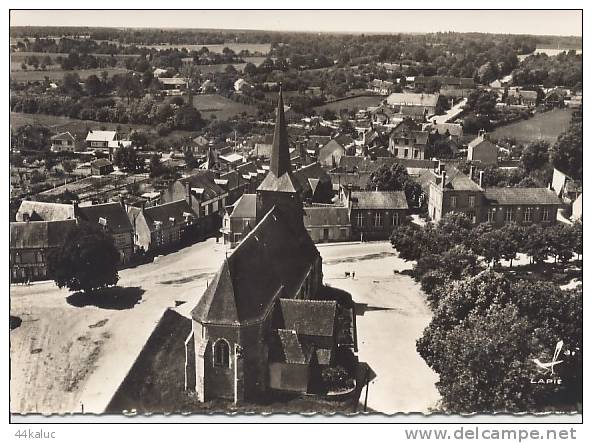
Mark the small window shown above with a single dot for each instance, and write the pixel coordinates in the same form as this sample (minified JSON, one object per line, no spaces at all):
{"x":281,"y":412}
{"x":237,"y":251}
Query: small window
{"x":528,"y":214}
{"x":453,"y":202}
{"x":509,"y":215}
{"x":472,"y":201}
{"x":360,"y":219}
{"x":396,"y":219}
{"x":221,"y":354}
{"x":490,"y":215}
{"x":545,"y":214}
{"x":406,"y":153}
{"x":378,"y":220}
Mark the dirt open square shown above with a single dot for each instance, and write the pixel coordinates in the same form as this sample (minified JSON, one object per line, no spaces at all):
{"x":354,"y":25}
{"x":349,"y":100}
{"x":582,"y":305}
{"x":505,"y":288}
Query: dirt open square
{"x":71,"y":352}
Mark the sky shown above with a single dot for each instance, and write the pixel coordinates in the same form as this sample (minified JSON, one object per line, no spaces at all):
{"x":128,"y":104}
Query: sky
{"x":538,"y":22}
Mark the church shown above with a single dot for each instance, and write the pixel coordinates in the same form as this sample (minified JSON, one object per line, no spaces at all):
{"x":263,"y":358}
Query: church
{"x":258,"y":325}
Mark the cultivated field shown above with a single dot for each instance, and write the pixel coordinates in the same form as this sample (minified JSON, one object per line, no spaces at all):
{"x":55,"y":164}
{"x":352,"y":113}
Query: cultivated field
{"x":543,"y":126}
{"x":223,"y":108}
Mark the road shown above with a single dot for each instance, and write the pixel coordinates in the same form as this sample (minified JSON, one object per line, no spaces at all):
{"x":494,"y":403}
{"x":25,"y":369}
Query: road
{"x":66,"y":357}
{"x":450,"y":115}
{"x":392,"y":314}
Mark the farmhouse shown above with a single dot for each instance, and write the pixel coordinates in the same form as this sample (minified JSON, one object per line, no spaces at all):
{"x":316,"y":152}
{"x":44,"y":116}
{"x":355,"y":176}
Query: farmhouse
{"x":482,"y":150}
{"x":427,"y":102}
{"x":407,"y":140}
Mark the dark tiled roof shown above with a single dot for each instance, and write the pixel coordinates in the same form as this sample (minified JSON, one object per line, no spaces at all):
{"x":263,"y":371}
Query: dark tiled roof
{"x":40,"y":234}
{"x":326,"y":215}
{"x":379,"y":200}
{"x":290,"y":349}
{"x":275,"y":256}
{"x":307,"y":174}
{"x":165,"y":213}
{"x":521,"y":196}
{"x":245,"y":206}
{"x":114,"y":214}
{"x":204,"y":180}
{"x":309,"y":317}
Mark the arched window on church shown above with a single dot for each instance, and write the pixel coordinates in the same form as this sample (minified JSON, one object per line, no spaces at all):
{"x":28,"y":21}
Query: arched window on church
{"x":221,"y":353}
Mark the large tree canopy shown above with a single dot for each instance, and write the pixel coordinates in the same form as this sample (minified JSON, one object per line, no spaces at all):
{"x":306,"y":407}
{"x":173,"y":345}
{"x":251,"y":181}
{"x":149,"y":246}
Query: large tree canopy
{"x":87,"y":261}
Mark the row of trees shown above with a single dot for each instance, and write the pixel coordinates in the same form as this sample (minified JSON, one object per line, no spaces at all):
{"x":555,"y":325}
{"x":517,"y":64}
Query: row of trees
{"x":487,"y":326}
{"x":537,"y":241}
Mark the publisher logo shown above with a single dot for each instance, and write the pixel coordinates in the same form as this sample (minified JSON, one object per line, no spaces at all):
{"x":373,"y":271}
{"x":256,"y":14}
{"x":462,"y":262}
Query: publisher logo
{"x":547,"y":368}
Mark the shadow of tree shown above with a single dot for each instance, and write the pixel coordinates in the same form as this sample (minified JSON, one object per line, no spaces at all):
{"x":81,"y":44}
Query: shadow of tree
{"x":115,"y":298}
{"x":15,"y":322}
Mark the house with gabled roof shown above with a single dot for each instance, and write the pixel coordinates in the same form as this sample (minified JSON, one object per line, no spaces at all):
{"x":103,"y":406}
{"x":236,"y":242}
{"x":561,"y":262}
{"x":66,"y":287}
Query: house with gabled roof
{"x":31,"y":244}
{"x":245,"y":339}
{"x":100,"y":139}
{"x":63,"y":142}
{"x":482,"y":150}
{"x":161,"y":227}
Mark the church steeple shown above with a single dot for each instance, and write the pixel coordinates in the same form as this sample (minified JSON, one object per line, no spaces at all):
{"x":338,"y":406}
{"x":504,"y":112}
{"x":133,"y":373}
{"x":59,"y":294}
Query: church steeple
{"x":280,"y":151}
{"x":280,"y":188}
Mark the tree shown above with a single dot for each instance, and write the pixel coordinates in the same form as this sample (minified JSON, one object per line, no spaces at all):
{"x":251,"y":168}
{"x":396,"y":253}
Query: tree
{"x":250,"y":69}
{"x":156,"y":167}
{"x":567,"y":153}
{"x":190,"y":159}
{"x":87,"y":261}
{"x":536,"y":243}
{"x":71,"y":84}
{"x":188,"y":118}
{"x":482,"y":102}
{"x":125,"y":158}
{"x":93,"y":85}
{"x":535,"y":156}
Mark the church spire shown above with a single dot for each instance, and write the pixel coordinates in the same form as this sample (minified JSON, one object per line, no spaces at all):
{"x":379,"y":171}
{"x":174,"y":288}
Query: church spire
{"x":280,"y":151}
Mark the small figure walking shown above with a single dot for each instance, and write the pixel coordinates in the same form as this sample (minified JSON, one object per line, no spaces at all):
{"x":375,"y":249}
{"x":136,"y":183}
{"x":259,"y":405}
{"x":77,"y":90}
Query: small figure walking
{"x":353,"y":274}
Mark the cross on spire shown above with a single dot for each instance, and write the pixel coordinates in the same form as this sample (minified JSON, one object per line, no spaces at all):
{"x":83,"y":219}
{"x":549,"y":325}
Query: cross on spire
{"x":280,"y":151}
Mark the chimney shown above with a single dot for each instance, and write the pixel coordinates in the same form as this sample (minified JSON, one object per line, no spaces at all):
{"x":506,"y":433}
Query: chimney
{"x":482,"y":133}
{"x":443,"y":183}
{"x":481,"y":179}
{"x":188,"y":192}
{"x":472,"y":172}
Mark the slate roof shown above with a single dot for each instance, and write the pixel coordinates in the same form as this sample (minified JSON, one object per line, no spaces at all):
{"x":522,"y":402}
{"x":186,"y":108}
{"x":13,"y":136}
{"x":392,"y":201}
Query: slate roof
{"x":245,"y":207}
{"x":290,"y":350}
{"x":411,"y":99}
{"x":272,"y":259}
{"x":101,"y":136}
{"x":379,"y":200}
{"x":42,"y":211}
{"x":113,"y":213}
{"x":479,"y":140}
{"x":309,"y":317}
{"x":40,"y":234}
{"x":326,"y":215}
{"x":310,"y":176}
{"x":522,"y":196}
{"x":204,"y":180}
{"x":164,"y":213}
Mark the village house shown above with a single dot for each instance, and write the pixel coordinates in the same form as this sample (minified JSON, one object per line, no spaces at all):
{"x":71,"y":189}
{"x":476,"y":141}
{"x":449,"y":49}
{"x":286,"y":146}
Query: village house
{"x":382,"y":87}
{"x":408,"y":141}
{"x":257,"y":326}
{"x":330,"y":154}
{"x":453,"y":191}
{"x":239,"y":218}
{"x":63,"y":142}
{"x":173,"y":85}
{"x":204,"y":196}
{"x":520,"y":98}
{"x":100,"y":139}
{"x":374,"y":214}
{"x":113,"y":219}
{"x":481,"y":149}
{"x":327,"y":223}
{"x":31,"y":245}
{"x":161,"y":227}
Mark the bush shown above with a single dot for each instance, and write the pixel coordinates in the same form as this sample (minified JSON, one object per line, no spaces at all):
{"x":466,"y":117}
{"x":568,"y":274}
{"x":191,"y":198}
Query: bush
{"x":336,"y":378}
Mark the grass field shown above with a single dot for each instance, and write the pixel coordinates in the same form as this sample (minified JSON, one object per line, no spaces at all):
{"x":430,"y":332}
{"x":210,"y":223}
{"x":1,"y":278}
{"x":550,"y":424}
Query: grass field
{"x":223,"y":108}
{"x":351,"y":103}
{"x":543,"y":126}
{"x":62,"y":124}
{"x":58,"y":74}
